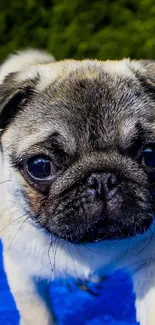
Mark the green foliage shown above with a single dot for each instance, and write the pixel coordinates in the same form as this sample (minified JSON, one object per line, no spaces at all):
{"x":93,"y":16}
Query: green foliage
{"x":103,"y":29}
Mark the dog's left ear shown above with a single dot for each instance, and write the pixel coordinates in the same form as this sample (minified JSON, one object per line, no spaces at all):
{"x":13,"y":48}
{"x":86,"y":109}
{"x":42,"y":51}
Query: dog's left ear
{"x":144,"y":70}
{"x":13,"y":96}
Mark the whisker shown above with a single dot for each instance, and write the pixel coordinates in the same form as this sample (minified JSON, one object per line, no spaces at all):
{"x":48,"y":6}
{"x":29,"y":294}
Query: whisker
{"x":92,"y":251}
{"x":63,"y":244}
{"x":72,"y":258}
{"x":50,"y":245}
{"x":79,"y":252}
{"x":127,"y":249}
{"x":152,"y":184}
{"x":7,"y":180}
{"x":18,"y":231}
{"x":55,"y":250}
{"x":54,"y":247}
{"x":10,"y":223}
{"x":148,"y":243}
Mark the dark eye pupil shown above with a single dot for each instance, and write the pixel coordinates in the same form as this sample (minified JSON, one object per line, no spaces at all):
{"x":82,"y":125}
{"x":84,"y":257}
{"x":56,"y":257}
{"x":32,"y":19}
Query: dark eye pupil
{"x":149,"y":157}
{"x":39,"y":168}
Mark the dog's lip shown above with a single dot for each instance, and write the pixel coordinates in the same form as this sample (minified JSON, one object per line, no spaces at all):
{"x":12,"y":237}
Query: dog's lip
{"x":106,"y":233}
{"x":100,"y":230}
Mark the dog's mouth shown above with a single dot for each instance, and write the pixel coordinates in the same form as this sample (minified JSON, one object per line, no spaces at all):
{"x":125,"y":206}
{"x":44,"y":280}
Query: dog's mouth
{"x":103,"y":229}
{"x":111,"y":232}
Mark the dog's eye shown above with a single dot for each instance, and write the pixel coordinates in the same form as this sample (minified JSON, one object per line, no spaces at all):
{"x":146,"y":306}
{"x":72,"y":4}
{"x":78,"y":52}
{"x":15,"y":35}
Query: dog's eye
{"x":41,"y":168}
{"x":149,"y":156}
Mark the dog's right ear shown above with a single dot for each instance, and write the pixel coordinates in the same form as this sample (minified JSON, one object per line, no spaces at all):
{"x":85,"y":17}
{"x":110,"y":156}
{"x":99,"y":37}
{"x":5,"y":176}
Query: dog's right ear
{"x":15,"y":92}
{"x":13,"y":96}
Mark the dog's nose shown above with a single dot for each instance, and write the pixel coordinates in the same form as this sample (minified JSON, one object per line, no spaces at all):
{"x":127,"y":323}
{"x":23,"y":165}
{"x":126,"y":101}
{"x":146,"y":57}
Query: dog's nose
{"x":103,"y":185}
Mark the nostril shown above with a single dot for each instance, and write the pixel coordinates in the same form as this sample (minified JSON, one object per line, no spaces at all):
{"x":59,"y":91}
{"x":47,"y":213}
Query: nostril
{"x":93,"y":183}
{"x":112,"y":181}
{"x":91,"y":192}
{"x":94,"y":186}
{"x":102,"y":185}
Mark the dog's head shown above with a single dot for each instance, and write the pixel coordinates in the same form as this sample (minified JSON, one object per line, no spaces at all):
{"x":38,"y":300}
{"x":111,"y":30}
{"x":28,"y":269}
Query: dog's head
{"x":80,"y":140}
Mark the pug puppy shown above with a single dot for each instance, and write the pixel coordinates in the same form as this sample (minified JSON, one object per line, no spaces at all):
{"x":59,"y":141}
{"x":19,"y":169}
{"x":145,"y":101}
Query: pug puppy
{"x":77,"y":176}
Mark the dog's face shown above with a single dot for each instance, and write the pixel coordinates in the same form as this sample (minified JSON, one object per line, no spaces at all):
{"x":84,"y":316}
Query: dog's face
{"x":80,"y":139}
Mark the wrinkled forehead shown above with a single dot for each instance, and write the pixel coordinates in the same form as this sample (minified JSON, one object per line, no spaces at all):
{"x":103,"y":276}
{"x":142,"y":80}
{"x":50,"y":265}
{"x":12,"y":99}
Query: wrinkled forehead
{"x":92,"y":103}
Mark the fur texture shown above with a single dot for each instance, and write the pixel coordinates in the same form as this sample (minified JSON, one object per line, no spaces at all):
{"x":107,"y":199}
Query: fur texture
{"x":93,"y":119}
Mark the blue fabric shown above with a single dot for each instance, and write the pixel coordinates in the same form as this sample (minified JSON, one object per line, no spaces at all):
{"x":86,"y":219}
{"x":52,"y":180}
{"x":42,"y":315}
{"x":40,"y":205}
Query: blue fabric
{"x":110,"y":302}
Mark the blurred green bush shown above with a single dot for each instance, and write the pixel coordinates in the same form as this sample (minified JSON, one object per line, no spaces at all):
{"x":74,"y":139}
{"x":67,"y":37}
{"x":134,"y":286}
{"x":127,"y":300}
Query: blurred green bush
{"x":79,"y":28}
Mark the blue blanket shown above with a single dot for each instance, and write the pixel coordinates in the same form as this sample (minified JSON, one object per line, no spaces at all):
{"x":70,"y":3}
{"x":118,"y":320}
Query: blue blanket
{"x":110,"y":302}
